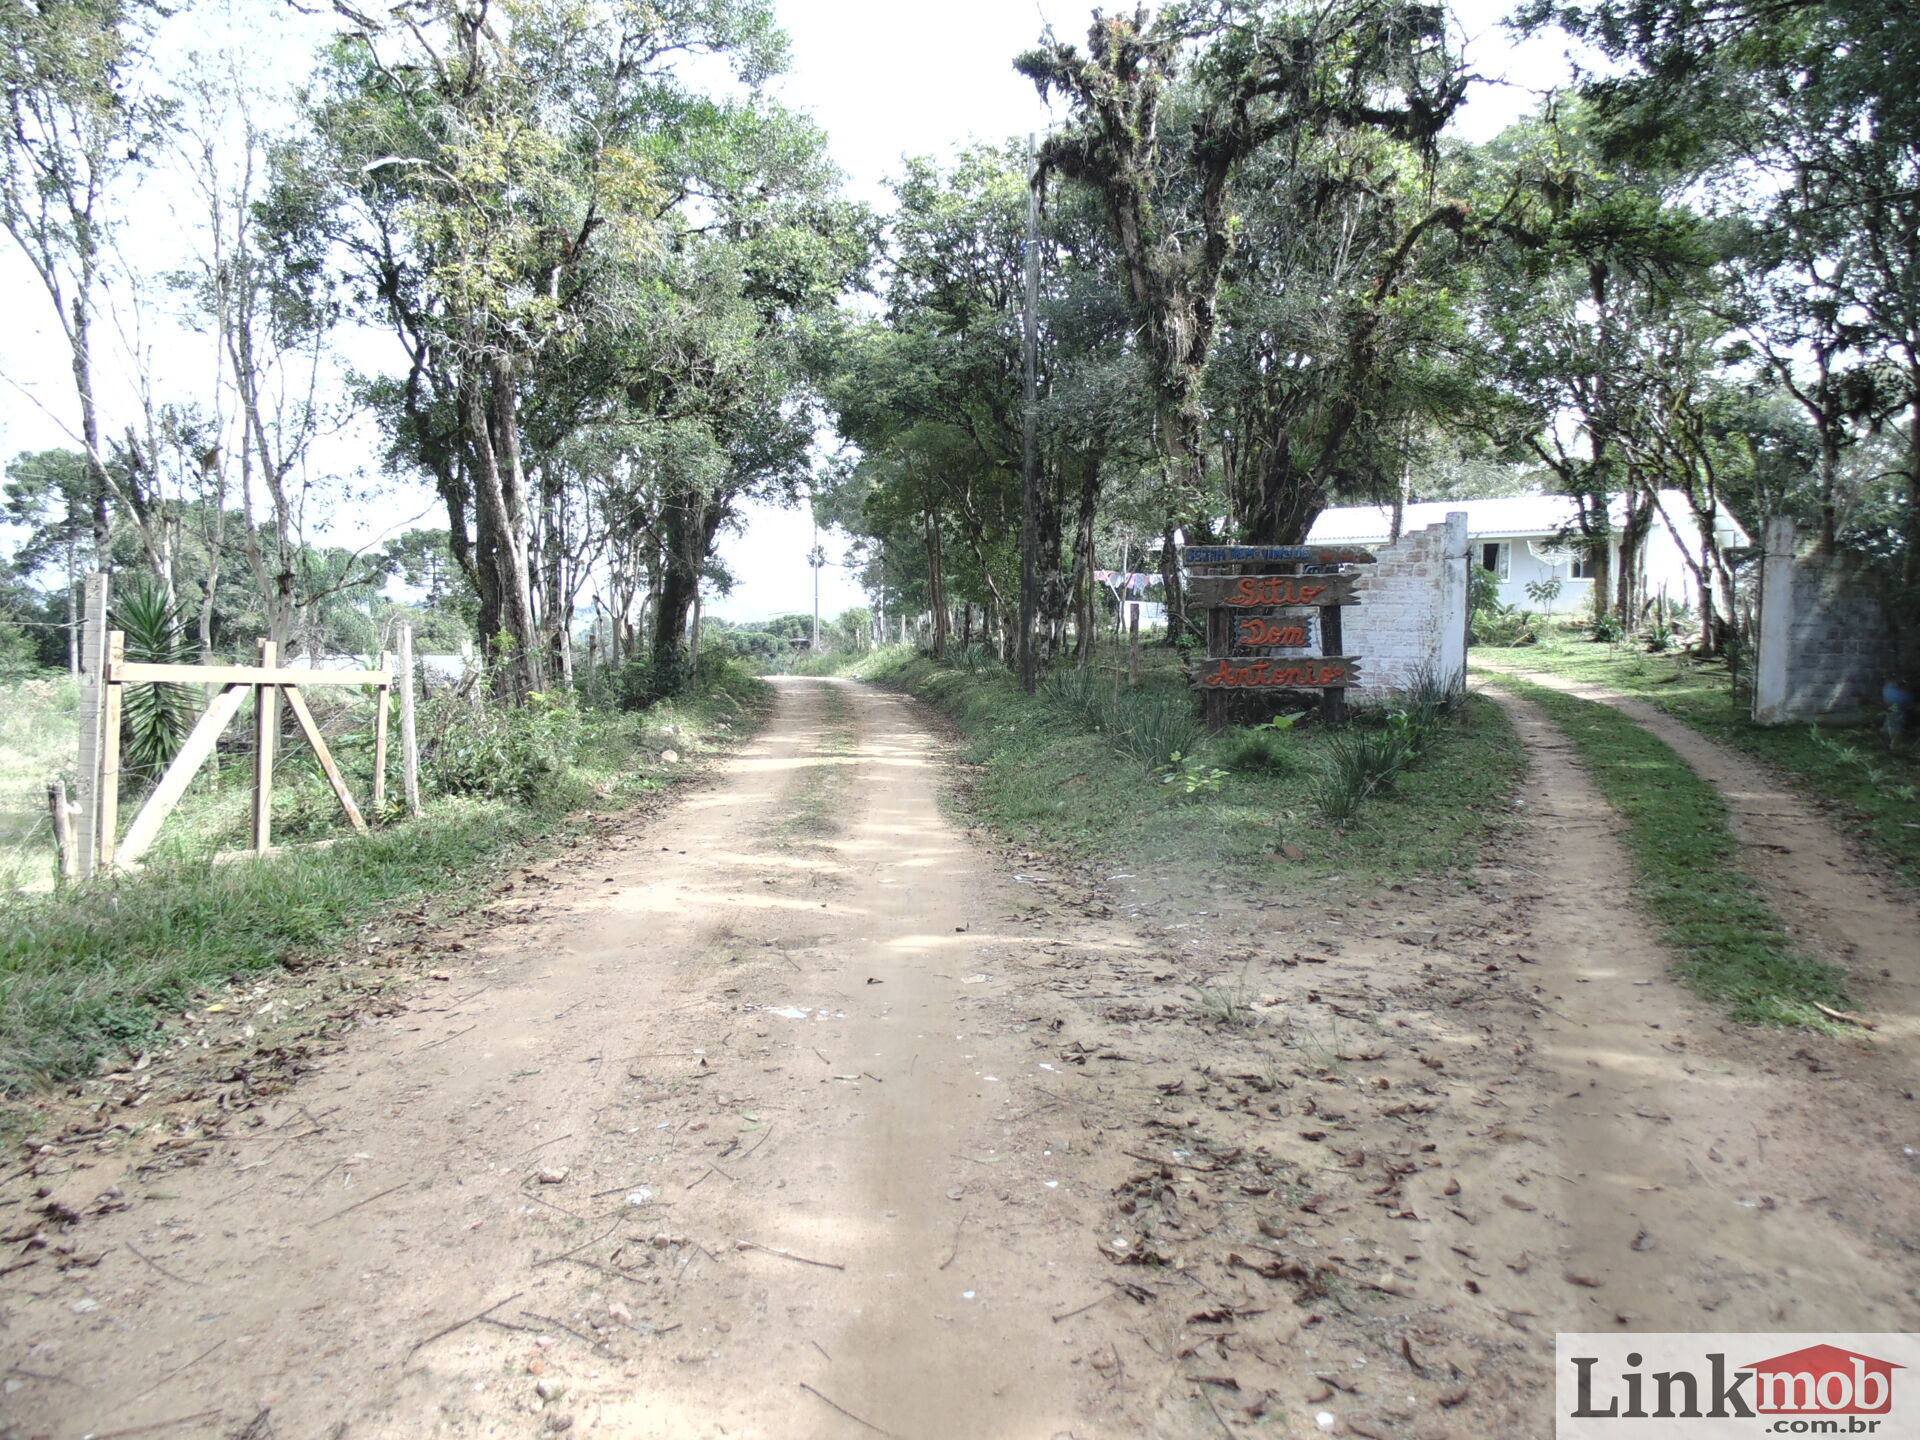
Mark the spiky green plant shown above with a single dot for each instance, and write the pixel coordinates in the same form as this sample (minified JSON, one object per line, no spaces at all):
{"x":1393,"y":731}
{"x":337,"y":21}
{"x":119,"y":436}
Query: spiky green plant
{"x":155,"y":718}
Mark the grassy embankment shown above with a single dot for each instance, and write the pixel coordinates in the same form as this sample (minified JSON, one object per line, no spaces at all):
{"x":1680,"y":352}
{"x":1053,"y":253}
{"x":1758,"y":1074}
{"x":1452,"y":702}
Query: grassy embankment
{"x":1871,"y":786}
{"x":1729,"y":945}
{"x":1086,"y":770}
{"x":88,"y":971}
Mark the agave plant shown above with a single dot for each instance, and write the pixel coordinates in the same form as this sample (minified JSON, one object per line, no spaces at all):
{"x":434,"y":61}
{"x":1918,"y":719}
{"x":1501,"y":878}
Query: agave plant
{"x":155,"y":718}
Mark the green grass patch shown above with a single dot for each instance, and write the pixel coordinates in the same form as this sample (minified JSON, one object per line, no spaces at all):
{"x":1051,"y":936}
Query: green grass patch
{"x":89,"y":971}
{"x":39,"y":736}
{"x":1730,"y":946}
{"x":1870,"y":784}
{"x":1048,"y":776}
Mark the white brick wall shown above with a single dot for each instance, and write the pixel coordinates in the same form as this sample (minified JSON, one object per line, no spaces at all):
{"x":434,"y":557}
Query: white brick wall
{"x":1825,"y":644}
{"x":1412,"y":615}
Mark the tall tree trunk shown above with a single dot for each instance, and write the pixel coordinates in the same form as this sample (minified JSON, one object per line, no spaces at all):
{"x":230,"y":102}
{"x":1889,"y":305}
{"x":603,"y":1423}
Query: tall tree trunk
{"x":500,"y":513}
{"x":1910,"y":569}
{"x":937,"y":584}
{"x":1083,"y":533}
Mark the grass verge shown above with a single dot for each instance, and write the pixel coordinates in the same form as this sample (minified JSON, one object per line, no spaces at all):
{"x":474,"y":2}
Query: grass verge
{"x":1730,"y":946}
{"x":90,"y":970}
{"x":1870,"y":786}
{"x":1041,"y":774}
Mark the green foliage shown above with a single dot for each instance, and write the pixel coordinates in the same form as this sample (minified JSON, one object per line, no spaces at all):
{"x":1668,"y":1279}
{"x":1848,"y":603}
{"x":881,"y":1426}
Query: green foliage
{"x":155,"y":718}
{"x":1154,"y":727}
{"x":1731,"y":946}
{"x":1490,"y":621}
{"x":1264,"y":748}
{"x":1544,"y":592}
{"x":1192,"y":775}
{"x":498,"y":752}
{"x":1368,"y":757}
{"x":1876,"y":774}
{"x":1041,"y":776}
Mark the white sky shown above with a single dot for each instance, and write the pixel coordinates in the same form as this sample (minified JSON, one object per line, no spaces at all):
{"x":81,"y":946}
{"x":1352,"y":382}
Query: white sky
{"x":885,"y":79}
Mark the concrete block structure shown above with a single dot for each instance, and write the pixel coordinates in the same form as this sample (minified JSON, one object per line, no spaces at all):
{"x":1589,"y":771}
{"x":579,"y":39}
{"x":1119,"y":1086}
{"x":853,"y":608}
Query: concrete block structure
{"x":1826,"y":644}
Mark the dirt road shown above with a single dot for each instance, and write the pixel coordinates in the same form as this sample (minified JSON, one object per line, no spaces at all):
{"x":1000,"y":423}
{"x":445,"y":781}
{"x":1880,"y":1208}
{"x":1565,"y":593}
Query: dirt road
{"x":799,"y":1112}
{"x":758,"y":1031}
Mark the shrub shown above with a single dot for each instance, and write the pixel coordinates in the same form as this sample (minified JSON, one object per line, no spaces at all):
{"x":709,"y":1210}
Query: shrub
{"x":1263,"y":748}
{"x":497,"y":751}
{"x":1153,"y":727}
{"x":975,"y":658}
{"x":1362,"y":762}
{"x":1489,"y":620}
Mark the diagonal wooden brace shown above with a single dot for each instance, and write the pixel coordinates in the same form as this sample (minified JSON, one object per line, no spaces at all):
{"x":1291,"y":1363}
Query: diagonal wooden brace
{"x":193,"y":754}
{"x":312,"y":731}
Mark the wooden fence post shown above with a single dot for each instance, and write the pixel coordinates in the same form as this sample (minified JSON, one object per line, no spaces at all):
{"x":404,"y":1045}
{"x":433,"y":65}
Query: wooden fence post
{"x":112,"y":691}
{"x":93,"y":694}
{"x":383,"y":707}
{"x":409,"y":735}
{"x":266,"y":730}
{"x":1333,"y":700}
{"x":62,"y":829}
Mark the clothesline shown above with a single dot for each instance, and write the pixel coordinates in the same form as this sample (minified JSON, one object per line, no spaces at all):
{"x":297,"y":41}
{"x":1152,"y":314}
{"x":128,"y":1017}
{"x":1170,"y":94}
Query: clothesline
{"x":1133,"y":582}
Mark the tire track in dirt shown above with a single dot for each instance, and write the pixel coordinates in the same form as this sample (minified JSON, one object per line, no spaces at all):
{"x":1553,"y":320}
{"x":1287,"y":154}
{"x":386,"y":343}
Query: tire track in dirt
{"x":1440,"y":1121}
{"x":1717,"y":1177}
{"x":1832,"y":897}
{"x":775,"y":1015}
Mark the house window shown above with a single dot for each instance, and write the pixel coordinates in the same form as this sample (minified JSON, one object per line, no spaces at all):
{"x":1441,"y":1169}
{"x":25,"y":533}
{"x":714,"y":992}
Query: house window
{"x":1497,"y":556}
{"x":1582,"y":568}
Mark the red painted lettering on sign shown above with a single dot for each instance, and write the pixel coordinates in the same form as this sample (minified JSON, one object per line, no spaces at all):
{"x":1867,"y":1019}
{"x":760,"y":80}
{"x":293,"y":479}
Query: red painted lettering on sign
{"x":1258,"y":631}
{"x":1288,"y":674}
{"x":1277,"y":590}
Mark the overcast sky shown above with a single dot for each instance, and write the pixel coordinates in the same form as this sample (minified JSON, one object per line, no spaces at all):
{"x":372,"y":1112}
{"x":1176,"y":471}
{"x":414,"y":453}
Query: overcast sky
{"x":885,"y":79}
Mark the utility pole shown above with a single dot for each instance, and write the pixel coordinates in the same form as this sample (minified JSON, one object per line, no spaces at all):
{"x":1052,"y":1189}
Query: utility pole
{"x":1030,"y":446}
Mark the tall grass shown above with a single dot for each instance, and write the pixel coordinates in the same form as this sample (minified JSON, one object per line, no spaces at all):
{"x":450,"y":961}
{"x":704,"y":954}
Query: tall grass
{"x":1368,"y":758}
{"x":1148,"y":726}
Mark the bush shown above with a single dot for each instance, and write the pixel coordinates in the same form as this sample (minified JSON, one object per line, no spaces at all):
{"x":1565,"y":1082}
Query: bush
{"x":1363,"y":762}
{"x":1084,"y":697}
{"x":1261,"y":748}
{"x":496,"y":751}
{"x":1489,"y":620}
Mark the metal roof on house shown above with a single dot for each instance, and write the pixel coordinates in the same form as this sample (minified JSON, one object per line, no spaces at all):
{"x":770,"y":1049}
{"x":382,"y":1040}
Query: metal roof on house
{"x":1514,"y":516}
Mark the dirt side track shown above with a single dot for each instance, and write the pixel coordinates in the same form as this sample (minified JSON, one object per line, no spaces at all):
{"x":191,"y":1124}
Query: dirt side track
{"x":803,"y":1115}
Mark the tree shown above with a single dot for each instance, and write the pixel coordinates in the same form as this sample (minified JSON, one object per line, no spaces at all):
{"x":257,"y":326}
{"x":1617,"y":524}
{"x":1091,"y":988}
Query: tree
{"x":1583,"y":258}
{"x":1167,"y":160}
{"x":78,"y":123}
{"x":50,"y":494}
{"x":1809,"y":110}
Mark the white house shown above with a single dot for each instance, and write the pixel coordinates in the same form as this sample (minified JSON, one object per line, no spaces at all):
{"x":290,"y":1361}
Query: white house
{"x":1522,"y":540}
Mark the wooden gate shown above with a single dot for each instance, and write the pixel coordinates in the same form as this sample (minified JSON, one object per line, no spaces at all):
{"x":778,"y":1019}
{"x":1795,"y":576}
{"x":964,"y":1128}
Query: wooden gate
{"x":108,"y":673}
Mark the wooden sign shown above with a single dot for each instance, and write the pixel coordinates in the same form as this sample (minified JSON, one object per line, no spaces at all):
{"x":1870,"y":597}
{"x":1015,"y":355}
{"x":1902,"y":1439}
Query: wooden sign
{"x":1247,"y":592}
{"x":1296,"y":672}
{"x":1267,"y":631}
{"x":1258,"y":554}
